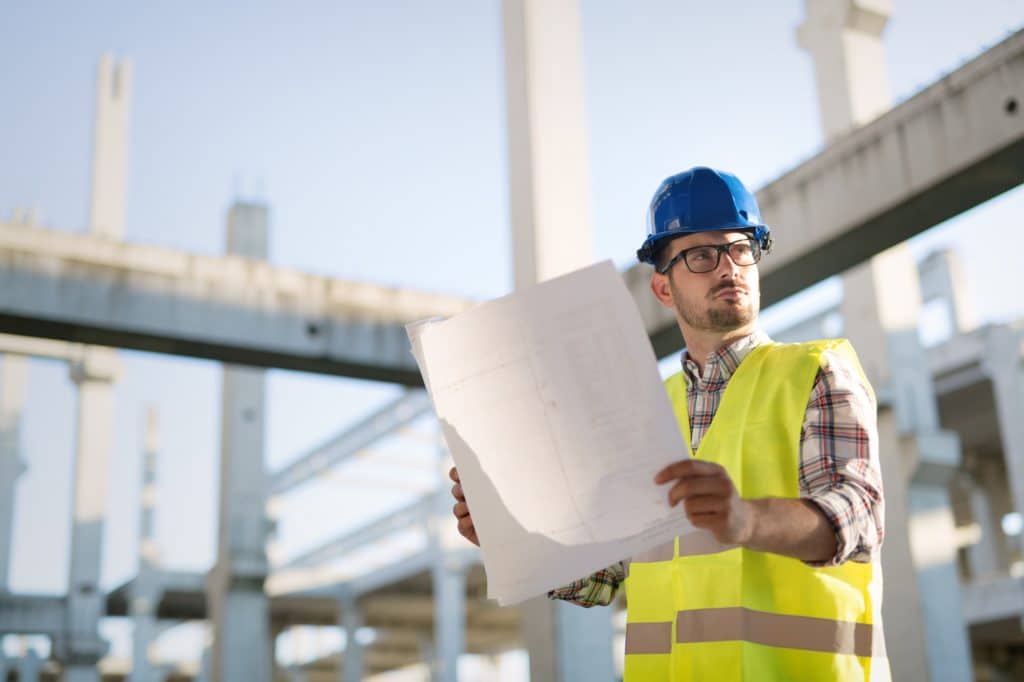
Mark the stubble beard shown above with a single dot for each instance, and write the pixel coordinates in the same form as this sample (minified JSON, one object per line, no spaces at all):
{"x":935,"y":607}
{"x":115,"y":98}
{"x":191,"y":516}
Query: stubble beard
{"x":713,"y":318}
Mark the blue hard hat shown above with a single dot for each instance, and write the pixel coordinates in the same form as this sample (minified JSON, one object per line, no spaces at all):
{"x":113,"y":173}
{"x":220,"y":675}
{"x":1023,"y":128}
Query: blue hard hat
{"x":700,"y":200}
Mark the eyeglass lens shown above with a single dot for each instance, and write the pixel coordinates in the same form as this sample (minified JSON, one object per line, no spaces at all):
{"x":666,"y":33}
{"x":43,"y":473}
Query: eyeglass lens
{"x":706,"y":258}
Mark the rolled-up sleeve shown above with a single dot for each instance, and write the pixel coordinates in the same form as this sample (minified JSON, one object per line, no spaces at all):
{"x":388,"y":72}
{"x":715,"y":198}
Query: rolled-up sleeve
{"x":839,"y":464}
{"x":597,"y":589}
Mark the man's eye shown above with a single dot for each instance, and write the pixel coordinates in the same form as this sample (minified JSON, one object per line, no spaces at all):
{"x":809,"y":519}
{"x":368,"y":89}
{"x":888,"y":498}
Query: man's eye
{"x":703,"y":254}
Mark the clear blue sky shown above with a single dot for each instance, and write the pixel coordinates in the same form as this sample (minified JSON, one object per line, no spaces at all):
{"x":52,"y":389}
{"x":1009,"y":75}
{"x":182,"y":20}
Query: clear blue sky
{"x":375,"y":132}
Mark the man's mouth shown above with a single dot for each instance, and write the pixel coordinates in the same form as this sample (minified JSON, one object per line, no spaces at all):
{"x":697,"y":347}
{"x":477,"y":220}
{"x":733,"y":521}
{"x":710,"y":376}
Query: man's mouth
{"x":728,"y":292}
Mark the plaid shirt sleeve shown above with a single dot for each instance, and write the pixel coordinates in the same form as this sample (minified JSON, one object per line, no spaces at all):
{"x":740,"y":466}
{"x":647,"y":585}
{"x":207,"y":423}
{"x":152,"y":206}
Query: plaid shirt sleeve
{"x":839,"y":465}
{"x":595,"y":590}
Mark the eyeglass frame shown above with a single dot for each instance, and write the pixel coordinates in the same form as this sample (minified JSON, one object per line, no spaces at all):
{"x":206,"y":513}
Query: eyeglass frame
{"x":755,"y":250}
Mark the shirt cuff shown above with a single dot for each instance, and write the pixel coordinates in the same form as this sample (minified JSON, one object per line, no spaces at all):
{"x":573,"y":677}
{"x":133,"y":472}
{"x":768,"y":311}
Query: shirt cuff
{"x":842,"y":515}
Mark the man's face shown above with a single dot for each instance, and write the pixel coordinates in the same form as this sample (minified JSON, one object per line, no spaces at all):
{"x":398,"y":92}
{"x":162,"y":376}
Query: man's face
{"x":721,"y":300}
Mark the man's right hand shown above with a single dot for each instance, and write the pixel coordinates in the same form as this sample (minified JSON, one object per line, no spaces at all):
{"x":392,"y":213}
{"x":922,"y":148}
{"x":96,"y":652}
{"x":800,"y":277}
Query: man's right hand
{"x":461,"y":510}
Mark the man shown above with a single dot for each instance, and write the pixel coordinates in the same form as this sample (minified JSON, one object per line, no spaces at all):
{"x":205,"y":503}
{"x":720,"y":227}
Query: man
{"x":783,"y":475}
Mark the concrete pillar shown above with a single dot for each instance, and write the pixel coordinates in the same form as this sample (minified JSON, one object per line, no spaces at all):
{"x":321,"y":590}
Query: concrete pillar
{"x":881,"y":310}
{"x":449,"y":618}
{"x":549,"y":193}
{"x":351,"y":619}
{"x":1002,"y":362}
{"x":147,"y":592}
{"x":29,"y":667}
{"x":110,"y":148}
{"x":13,"y":372}
{"x":843,"y":39}
{"x":94,"y":373}
{"x":549,"y":198}
{"x":942,"y":278}
{"x":238,"y":603}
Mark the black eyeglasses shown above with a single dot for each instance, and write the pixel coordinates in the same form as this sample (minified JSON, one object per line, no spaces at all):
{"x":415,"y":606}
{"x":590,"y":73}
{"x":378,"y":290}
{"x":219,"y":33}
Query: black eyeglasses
{"x":701,"y":259}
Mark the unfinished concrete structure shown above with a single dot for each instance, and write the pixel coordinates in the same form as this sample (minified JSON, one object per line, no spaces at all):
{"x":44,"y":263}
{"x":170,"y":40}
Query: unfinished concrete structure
{"x":429,"y":605}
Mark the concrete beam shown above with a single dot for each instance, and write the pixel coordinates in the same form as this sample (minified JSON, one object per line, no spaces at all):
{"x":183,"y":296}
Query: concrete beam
{"x":405,"y":409}
{"x":90,"y":289}
{"x":31,"y":615}
{"x":954,"y":145}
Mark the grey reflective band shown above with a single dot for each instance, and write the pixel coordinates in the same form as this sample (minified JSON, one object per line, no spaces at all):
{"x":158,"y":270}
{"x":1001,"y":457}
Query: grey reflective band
{"x":774,"y":629}
{"x":648,"y":638}
{"x":758,"y":627}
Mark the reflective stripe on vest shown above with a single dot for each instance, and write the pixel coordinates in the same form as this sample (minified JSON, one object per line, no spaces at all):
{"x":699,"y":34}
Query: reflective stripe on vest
{"x":708,"y":611}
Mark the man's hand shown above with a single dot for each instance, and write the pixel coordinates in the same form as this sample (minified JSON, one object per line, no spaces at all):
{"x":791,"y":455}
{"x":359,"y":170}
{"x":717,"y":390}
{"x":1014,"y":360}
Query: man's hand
{"x":461,"y":510}
{"x":710,"y":499}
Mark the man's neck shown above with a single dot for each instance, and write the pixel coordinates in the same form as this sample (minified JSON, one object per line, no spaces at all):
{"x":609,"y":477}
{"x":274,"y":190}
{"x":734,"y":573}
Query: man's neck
{"x":700,"y":343}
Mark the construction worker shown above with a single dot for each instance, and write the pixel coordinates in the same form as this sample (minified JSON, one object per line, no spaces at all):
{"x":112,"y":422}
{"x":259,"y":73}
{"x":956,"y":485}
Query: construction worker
{"x":783,"y":474}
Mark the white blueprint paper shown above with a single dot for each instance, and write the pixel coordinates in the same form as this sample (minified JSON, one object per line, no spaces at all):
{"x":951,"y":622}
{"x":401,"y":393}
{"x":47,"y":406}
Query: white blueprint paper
{"x":553,"y":408}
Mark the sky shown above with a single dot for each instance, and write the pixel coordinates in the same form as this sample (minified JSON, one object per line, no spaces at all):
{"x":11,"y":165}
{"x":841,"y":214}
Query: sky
{"x":375,"y":134}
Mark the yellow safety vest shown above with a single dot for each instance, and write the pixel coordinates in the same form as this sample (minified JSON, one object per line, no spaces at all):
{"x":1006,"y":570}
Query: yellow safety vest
{"x":697,"y":610}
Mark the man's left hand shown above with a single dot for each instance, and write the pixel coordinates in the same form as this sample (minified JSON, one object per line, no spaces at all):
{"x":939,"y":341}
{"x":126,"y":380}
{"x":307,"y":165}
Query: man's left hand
{"x":709,"y":499}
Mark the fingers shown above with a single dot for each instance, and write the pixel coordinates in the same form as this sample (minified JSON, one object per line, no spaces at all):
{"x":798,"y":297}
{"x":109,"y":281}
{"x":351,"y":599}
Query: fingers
{"x":704,"y":486}
{"x":453,"y":474}
{"x":467,"y":530}
{"x":461,"y":510}
{"x":457,"y":492}
{"x":687,"y":468}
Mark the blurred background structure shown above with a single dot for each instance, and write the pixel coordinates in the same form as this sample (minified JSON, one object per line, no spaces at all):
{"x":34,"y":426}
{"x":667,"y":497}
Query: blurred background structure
{"x":413,"y":148}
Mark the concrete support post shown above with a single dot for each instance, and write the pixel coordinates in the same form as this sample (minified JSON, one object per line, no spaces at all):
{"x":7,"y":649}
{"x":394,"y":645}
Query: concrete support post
{"x":13,"y":371}
{"x":881,"y":310}
{"x":146,"y":593}
{"x":984,"y":556}
{"x":549,"y":199}
{"x":1003,"y":364}
{"x":942,"y":278}
{"x":351,"y":620}
{"x":81,"y":647}
{"x":449,"y":618}
{"x":30,"y":666}
{"x":110,"y":148}
{"x":549,"y":193}
{"x":238,"y":603}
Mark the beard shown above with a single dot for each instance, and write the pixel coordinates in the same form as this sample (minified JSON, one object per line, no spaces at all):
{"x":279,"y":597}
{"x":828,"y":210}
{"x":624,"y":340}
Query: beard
{"x":716,"y":316}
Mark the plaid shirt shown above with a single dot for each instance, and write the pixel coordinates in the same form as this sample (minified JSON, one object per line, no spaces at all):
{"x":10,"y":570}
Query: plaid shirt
{"x":839,"y":468}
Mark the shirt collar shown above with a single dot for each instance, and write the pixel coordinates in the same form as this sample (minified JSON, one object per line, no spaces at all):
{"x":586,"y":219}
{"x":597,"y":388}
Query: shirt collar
{"x":720,"y":365}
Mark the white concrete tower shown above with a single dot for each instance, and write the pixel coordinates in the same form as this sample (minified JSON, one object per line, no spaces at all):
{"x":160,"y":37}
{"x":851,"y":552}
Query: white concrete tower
{"x":235,"y":594}
{"x":549,"y":198}
{"x":94,"y":373}
{"x":13,"y":370}
{"x":110,"y":148}
{"x":881,"y":308}
{"x":146,"y":591}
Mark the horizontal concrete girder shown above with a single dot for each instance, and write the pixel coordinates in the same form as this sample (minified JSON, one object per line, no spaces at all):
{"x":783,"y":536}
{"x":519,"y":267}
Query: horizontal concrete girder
{"x":954,"y":145}
{"x":89,"y":289}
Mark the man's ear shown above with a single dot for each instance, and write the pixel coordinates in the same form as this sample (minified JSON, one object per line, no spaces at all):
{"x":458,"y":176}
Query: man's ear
{"x":661,"y":290}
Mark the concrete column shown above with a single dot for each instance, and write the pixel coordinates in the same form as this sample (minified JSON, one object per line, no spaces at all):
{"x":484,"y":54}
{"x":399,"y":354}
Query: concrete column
{"x":1003,"y":364}
{"x":94,"y":373}
{"x":449,"y":618}
{"x":13,"y":372}
{"x":881,"y":310}
{"x":549,"y":193}
{"x":110,"y":148}
{"x":29,"y":667}
{"x":549,"y":198}
{"x":238,"y":603}
{"x":146,"y":594}
{"x":843,"y":38}
{"x":351,"y":619}
{"x":942,"y":278}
